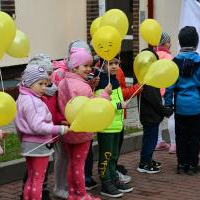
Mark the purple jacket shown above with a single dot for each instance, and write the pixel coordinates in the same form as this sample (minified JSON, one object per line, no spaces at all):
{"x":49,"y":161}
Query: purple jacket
{"x":34,"y":120}
{"x":74,"y":85}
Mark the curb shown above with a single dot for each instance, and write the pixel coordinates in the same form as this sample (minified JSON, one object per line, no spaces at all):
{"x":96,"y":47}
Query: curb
{"x":14,"y":170}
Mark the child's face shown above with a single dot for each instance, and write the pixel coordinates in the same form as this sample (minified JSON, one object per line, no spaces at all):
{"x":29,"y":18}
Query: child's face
{"x":50,"y":77}
{"x":113,"y":66}
{"x":39,"y":87}
{"x":83,"y":70}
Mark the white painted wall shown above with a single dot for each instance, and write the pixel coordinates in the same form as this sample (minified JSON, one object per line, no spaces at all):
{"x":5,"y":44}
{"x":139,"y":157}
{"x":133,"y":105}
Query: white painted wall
{"x":167,"y":13}
{"x":50,"y":26}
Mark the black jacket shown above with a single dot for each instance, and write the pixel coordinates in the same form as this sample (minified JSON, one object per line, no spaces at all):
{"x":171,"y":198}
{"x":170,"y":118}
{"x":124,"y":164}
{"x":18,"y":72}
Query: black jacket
{"x":151,"y":108}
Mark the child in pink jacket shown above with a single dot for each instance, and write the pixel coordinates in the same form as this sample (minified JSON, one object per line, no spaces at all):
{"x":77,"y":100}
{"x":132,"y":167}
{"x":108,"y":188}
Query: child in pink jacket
{"x":163,"y":51}
{"x":35,"y":127}
{"x":77,"y":144}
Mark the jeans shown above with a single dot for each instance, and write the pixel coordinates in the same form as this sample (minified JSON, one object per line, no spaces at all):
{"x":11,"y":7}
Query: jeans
{"x":149,"y":141}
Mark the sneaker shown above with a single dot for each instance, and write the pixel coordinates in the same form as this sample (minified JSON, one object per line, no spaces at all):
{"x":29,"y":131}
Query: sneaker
{"x":122,"y":187}
{"x":193,"y":170}
{"x":162,"y":146}
{"x":147,"y":168}
{"x":122,"y":169}
{"x":91,"y":184}
{"x":87,"y":197}
{"x":124,"y":178}
{"x":63,"y":194}
{"x":108,"y":189}
{"x":172,"y":149}
{"x":156,"y":164}
{"x":182,"y":168}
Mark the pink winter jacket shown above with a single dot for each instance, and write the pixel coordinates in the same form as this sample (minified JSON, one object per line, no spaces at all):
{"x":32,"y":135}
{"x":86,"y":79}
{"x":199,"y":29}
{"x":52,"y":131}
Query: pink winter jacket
{"x":74,"y":85}
{"x":163,"y":53}
{"x":33,"y":119}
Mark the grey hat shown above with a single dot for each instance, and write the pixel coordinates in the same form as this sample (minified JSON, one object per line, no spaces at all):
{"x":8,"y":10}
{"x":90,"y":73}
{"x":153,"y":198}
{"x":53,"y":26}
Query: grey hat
{"x":77,"y":44}
{"x":33,"y":73}
{"x":42,"y":60}
{"x":164,"y":38}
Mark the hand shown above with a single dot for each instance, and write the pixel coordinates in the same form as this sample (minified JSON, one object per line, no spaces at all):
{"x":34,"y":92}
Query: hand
{"x":94,"y":82}
{"x":168,"y":111}
{"x":108,"y":89}
{"x":64,"y":123}
{"x":124,"y":104}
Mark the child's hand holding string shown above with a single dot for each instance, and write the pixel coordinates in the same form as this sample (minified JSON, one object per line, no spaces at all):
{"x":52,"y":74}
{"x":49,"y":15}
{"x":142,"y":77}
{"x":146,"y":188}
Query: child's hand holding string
{"x":108,"y":89}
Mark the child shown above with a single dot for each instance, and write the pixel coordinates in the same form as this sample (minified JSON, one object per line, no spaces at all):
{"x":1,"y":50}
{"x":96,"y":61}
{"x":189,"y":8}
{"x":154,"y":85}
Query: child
{"x":77,"y":144}
{"x":152,"y":113}
{"x":2,"y":136}
{"x":108,"y":139}
{"x":34,"y":126}
{"x":186,"y":102}
{"x":163,"y":51}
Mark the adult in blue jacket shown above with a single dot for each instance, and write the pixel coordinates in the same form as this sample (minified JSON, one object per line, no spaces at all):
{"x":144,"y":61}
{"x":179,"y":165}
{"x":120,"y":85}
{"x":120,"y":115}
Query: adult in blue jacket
{"x":186,"y":93}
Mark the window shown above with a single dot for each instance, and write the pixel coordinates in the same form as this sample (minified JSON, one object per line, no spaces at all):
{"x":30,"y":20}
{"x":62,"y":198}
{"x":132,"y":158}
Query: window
{"x":8,"y":6}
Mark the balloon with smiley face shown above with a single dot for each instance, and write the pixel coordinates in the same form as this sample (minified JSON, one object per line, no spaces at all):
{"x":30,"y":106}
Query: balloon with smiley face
{"x":107,"y":42}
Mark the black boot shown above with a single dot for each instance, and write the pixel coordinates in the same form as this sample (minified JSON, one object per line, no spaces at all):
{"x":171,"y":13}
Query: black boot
{"x":45,"y":195}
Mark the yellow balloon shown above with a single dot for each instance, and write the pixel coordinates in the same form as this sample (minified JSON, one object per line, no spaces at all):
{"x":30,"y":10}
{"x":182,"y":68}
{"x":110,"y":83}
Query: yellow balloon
{"x":7,"y":30}
{"x":142,"y":63}
{"x":151,"y":31}
{"x":161,"y":74}
{"x":117,"y":19}
{"x":95,"y":25}
{"x":107,"y":42}
{"x":7,"y":109}
{"x":74,"y":106}
{"x":96,"y":115}
{"x":20,"y":47}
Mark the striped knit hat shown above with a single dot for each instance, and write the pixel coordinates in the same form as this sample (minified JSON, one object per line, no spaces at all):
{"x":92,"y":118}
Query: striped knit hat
{"x":32,"y":74}
{"x":43,"y":60}
{"x":164,"y":38}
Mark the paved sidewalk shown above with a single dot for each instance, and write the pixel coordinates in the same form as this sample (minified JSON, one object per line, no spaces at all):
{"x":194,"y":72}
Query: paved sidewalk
{"x":167,"y":185}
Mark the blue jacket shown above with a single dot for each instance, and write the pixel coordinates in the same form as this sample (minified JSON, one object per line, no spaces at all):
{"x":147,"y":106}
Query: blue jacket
{"x":186,"y":90}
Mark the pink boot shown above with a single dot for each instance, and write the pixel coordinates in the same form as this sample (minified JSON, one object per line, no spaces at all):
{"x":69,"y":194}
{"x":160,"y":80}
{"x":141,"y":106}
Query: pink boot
{"x":88,"y":197}
{"x":162,"y":146}
{"x":71,"y":197}
{"x":172,"y":149}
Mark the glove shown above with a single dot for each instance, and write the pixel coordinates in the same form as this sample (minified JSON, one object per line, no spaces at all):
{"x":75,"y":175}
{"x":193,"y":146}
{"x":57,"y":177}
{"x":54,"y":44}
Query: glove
{"x":168,"y":111}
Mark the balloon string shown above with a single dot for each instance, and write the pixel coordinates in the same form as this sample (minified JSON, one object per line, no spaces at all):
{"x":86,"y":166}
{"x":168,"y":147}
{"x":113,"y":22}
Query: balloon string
{"x":42,"y":144}
{"x":101,"y":68}
{"x":108,"y":71}
{"x":1,"y":80}
{"x":134,"y":94}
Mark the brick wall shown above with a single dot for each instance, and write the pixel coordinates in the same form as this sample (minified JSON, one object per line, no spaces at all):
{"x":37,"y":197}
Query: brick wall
{"x":8,"y":6}
{"x":92,"y":13}
{"x":135,"y":27}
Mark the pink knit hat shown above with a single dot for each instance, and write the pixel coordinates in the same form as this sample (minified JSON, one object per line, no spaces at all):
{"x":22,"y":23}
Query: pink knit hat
{"x":79,"y":56}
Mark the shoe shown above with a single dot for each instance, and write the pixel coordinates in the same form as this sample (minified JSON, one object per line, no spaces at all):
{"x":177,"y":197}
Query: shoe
{"x":87,"y":197}
{"x":21,"y":197}
{"x":108,"y":189}
{"x":90,"y":184}
{"x":124,"y":178}
{"x":63,"y":194}
{"x":172,"y":149}
{"x":148,"y":168}
{"x":122,"y":169}
{"x":45,"y":195}
{"x":156,"y":164}
{"x":182,"y":169}
{"x":193,"y":170}
{"x":162,"y":146}
{"x":122,"y":187}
